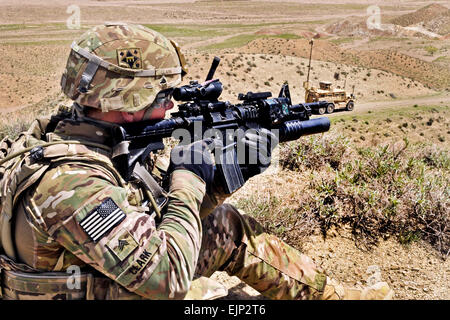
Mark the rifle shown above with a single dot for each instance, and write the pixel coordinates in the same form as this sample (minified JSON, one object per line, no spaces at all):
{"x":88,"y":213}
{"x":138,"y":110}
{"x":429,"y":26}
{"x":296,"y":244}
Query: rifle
{"x":201,"y":108}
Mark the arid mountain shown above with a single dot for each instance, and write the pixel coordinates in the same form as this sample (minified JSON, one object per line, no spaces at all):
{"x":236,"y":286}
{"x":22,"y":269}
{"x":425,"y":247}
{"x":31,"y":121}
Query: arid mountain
{"x":434,"y":17}
{"x":348,"y":28}
{"x":387,"y":60}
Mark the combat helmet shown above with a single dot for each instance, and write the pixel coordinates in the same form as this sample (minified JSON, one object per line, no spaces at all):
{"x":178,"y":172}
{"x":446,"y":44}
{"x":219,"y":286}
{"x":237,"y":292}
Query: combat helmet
{"x":121,"y":67}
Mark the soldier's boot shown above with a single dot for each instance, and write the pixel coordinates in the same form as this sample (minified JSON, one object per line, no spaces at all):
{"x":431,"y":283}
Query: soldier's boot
{"x":336,"y":291}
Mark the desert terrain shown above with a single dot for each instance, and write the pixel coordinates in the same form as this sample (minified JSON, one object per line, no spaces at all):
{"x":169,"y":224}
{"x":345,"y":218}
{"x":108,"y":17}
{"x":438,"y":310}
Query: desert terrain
{"x":398,"y":71}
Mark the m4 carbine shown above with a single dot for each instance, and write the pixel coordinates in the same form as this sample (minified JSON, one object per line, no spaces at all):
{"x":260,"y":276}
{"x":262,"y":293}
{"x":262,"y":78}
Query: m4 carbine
{"x":202,"y":109}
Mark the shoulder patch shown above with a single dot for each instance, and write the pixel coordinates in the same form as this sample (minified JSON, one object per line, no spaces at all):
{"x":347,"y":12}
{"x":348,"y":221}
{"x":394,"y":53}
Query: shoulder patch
{"x":122,"y":244}
{"x":102,"y":219}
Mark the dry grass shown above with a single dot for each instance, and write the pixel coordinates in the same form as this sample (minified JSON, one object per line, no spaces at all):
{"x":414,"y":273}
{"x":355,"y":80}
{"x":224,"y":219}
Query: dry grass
{"x":424,"y":124}
{"x":398,"y":189}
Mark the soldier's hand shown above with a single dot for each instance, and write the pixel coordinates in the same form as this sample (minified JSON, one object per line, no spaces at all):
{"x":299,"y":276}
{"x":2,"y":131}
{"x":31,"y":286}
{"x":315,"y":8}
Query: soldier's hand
{"x":258,"y":145}
{"x":195,"y":157}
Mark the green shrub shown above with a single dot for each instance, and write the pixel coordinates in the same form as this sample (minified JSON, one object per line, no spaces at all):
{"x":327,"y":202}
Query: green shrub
{"x":313,"y":153}
{"x":431,"y":50}
{"x":398,"y":190}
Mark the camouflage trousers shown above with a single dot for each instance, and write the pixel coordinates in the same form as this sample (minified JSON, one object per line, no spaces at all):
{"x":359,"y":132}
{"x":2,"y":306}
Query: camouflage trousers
{"x":261,"y":260}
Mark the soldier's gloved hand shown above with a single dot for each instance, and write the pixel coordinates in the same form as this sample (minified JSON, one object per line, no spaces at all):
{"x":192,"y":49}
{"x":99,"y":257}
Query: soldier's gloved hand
{"x":258,"y":145}
{"x":195,"y":157}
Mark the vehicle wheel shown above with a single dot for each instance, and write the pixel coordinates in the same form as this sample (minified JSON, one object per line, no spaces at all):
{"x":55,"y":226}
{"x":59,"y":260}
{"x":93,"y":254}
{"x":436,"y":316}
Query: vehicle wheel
{"x":330,"y":108}
{"x":321,"y":110}
{"x":349,"y":106}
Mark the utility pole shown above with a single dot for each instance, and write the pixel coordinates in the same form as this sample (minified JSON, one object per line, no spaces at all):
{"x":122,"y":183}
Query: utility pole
{"x":306,"y":84}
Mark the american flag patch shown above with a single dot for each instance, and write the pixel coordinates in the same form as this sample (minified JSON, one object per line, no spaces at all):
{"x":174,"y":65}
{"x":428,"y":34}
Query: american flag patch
{"x":102,"y":219}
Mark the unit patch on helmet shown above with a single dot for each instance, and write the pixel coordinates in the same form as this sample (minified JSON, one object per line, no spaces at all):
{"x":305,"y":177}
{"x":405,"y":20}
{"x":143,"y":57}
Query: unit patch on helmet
{"x":129,"y":58}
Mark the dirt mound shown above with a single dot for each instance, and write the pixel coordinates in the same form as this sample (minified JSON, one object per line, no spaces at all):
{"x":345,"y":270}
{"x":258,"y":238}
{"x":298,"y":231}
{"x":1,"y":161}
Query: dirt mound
{"x":348,"y":28}
{"x":431,"y":21}
{"x":406,"y":66}
{"x":387,"y":60}
{"x":323,"y":50}
{"x":354,"y":29}
{"x":434,"y":17}
{"x":439,"y":25}
{"x":427,"y":13}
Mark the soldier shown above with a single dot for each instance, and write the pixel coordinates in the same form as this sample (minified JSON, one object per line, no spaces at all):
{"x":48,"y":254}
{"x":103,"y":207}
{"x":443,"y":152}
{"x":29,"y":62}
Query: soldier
{"x":65,"y":204}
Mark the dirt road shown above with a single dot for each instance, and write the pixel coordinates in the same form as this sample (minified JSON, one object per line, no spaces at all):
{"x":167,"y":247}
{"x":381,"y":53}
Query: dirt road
{"x":361,"y":107}
{"x":427,"y":100}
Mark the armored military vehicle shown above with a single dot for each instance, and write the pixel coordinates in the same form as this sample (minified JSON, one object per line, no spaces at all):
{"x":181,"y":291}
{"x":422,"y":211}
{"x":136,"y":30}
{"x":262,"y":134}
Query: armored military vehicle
{"x":330,"y":98}
{"x":336,"y":98}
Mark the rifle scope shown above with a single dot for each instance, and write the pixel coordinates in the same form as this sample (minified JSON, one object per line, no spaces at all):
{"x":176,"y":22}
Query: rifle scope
{"x":210,"y":90}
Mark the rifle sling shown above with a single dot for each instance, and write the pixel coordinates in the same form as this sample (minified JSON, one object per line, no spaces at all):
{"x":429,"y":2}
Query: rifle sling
{"x":155,"y":191}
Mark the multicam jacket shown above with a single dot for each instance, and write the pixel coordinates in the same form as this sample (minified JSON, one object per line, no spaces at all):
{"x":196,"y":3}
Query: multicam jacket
{"x":77,"y":210}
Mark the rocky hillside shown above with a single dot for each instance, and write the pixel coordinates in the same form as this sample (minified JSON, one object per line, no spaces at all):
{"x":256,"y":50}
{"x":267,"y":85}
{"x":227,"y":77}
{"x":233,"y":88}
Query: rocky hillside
{"x":388,"y":60}
{"x":434,"y":17}
{"x":359,"y":29}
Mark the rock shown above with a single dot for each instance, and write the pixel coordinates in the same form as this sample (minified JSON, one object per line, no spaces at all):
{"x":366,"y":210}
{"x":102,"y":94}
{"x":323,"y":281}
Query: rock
{"x":373,"y":269}
{"x":395,"y":267}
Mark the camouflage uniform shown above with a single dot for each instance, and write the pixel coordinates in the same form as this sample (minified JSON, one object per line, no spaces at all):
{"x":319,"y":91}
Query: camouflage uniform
{"x":54,"y":198}
{"x":157,"y":261}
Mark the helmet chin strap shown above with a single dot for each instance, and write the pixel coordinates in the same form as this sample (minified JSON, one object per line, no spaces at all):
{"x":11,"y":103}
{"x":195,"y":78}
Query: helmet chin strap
{"x":88,"y":75}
